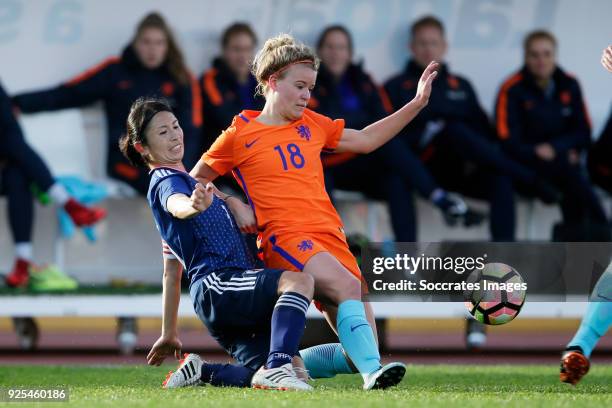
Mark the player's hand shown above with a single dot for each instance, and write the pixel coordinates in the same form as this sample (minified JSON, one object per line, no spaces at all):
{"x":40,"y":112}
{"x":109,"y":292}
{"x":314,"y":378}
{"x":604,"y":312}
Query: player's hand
{"x":606,"y":58}
{"x":243,"y":213}
{"x":164,"y":347}
{"x":424,"y":86}
{"x":202,"y":197}
{"x":545,"y":151}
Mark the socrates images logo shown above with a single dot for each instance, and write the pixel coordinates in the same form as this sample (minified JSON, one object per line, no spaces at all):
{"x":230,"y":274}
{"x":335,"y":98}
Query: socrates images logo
{"x":497,"y":295}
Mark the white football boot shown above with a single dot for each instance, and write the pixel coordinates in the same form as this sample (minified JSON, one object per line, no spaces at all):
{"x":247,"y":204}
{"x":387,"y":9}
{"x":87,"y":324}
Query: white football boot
{"x":384,"y":377}
{"x":280,"y":378}
{"x":188,"y":372}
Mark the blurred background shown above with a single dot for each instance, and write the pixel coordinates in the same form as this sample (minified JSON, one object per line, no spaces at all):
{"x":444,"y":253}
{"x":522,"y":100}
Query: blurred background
{"x":117,"y":264}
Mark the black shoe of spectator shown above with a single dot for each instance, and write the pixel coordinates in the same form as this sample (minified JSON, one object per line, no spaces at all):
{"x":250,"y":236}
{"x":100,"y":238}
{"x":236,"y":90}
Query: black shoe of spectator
{"x":455,"y":209}
{"x":547,"y":192}
{"x":473,"y":218}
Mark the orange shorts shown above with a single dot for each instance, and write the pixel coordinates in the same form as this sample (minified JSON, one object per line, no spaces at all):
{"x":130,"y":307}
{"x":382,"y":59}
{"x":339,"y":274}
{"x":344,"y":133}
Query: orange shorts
{"x":291,"y":251}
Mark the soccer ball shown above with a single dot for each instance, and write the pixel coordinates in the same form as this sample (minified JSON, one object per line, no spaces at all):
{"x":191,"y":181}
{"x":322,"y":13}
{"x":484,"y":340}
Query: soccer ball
{"x":498,"y":295}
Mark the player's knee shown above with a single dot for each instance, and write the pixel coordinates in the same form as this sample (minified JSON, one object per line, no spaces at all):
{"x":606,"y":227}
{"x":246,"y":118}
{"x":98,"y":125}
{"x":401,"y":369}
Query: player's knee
{"x":299,"y":282}
{"x":349,"y":289}
{"x":352,"y":289}
{"x":305,"y":285}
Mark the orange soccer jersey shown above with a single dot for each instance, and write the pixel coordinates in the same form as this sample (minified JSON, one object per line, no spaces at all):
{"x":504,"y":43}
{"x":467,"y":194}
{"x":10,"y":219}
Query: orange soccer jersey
{"x":280,"y":171}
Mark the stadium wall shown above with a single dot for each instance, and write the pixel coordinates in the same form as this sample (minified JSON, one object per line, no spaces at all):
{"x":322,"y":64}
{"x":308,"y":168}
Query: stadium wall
{"x":67,"y":36}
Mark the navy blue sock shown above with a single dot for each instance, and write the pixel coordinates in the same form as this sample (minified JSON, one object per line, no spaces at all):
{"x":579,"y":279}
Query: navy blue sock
{"x":288,"y":321}
{"x":226,"y":375}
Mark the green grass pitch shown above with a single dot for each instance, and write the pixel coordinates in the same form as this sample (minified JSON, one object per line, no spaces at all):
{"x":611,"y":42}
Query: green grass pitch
{"x":428,"y":386}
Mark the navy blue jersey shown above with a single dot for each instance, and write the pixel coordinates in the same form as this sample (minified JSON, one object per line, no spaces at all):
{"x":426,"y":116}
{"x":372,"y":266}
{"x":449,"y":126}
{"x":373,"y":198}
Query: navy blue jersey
{"x":9,"y":128}
{"x":223,"y":97}
{"x":354,"y":98}
{"x":528,"y":115}
{"x":15,"y":150}
{"x":209,"y":242}
{"x":453,"y":99}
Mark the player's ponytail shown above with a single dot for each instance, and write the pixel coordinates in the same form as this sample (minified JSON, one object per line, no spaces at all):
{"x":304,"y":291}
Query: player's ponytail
{"x":141,"y":113}
{"x":277,"y":54}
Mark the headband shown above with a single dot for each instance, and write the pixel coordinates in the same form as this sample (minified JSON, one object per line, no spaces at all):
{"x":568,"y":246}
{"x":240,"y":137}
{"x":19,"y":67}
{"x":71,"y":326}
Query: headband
{"x":306,"y":61}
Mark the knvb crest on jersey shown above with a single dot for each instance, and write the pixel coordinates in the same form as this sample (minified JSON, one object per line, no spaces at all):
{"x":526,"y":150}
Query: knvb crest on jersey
{"x":304,"y":132}
{"x":305,"y":245}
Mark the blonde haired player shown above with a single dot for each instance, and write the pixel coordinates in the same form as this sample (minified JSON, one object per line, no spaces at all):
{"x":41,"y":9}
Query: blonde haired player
{"x":275,"y":156}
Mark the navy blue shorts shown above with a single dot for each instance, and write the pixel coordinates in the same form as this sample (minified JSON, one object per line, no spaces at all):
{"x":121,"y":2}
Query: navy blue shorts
{"x":236,"y":307}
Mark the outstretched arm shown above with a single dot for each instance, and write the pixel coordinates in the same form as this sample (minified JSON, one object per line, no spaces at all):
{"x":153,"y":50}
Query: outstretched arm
{"x":168,"y":343}
{"x":378,"y":133}
{"x":92,"y":85}
{"x":183,"y":207}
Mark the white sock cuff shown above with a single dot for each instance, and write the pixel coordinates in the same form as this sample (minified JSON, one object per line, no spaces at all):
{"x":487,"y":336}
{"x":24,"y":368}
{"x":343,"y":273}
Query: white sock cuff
{"x":23,"y":250}
{"x":58,"y":194}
